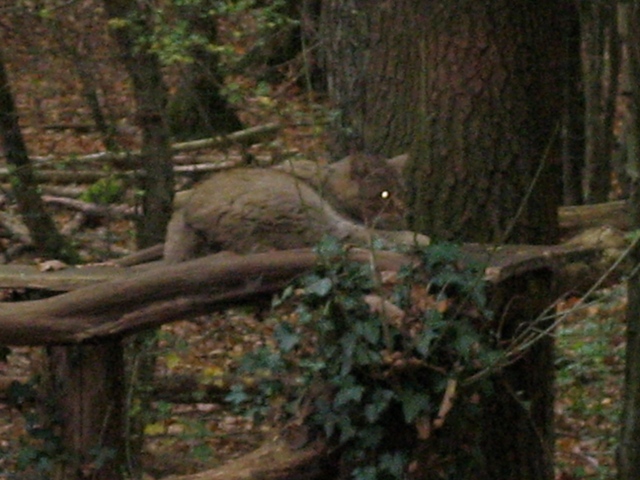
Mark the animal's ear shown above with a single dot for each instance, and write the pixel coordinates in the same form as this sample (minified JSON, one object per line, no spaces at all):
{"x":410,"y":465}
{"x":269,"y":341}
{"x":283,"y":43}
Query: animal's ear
{"x":362,"y":165}
{"x":398,"y":163}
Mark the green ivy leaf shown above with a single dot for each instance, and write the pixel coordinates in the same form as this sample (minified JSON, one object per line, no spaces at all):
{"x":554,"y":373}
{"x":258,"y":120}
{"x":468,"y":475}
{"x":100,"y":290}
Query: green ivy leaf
{"x":329,"y":247}
{"x":286,"y":337}
{"x":371,"y":437}
{"x":347,"y":429}
{"x":237,"y":395}
{"x":369,"y":330}
{"x":348,"y":394}
{"x":379,"y":403}
{"x":368,"y":472}
{"x":395,"y":463}
{"x":320,"y":288}
{"x":413,"y":404}
{"x":364,"y":355}
{"x":466,"y":339}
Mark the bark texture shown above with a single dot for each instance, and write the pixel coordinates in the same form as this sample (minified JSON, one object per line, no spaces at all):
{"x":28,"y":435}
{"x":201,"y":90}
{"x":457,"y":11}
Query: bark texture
{"x":371,"y":74}
{"x":474,"y":88}
{"x":601,"y":70}
{"x":485,"y":165}
{"x":87,"y":387}
{"x":486,"y":168}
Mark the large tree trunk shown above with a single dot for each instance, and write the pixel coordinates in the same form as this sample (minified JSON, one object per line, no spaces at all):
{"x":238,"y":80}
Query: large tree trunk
{"x":477,"y":85}
{"x":486,"y":163}
{"x":487,"y":169}
{"x":371,"y":74}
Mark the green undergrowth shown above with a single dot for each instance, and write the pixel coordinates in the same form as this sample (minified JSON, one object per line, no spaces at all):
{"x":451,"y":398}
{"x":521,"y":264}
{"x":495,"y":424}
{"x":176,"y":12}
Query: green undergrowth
{"x":590,"y":371}
{"x":373,"y":365}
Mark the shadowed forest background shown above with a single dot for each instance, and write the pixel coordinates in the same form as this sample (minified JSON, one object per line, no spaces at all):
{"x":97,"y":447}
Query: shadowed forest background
{"x":507,"y":117}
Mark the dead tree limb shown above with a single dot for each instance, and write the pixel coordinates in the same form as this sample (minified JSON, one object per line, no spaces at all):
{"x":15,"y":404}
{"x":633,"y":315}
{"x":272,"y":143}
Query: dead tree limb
{"x":576,"y":218}
{"x":92,"y":209}
{"x":137,"y":299}
{"x":248,"y":136}
{"x":274,"y":460}
{"x":155,"y":296}
{"x":134,"y":299}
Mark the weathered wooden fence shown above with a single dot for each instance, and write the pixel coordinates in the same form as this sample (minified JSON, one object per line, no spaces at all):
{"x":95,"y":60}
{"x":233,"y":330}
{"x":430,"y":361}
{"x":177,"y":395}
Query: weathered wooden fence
{"x":85,"y":326}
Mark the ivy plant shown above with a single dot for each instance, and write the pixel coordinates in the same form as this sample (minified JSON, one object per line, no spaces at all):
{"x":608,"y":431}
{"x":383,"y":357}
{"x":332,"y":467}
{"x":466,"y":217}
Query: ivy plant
{"x":376,"y":365}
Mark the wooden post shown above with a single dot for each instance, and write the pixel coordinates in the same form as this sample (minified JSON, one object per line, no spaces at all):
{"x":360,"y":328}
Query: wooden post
{"x":87,"y":383}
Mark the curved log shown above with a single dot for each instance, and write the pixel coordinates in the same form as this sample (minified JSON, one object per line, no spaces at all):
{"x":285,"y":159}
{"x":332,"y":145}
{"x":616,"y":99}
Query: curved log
{"x":107,"y":302}
{"x":151,"y":297}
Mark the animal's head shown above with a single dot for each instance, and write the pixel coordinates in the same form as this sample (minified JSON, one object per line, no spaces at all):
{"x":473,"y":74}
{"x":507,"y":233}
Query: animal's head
{"x":380,"y":192}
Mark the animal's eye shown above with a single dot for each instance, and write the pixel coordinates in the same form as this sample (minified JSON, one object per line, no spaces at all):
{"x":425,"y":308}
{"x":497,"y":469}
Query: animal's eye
{"x":385,"y":194}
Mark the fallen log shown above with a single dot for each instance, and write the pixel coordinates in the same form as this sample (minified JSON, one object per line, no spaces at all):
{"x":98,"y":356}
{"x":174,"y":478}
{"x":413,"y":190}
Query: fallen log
{"x":248,"y":136}
{"x":147,"y":298}
{"x":61,"y":176}
{"x":119,"y":301}
{"x":92,"y":209}
{"x":274,"y":460}
{"x":576,"y":218}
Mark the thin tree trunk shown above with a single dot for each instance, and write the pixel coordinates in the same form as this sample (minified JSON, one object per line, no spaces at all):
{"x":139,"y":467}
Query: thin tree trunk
{"x":132,"y":31}
{"x":143,"y":66}
{"x":87,"y":391}
{"x":629,"y":449}
{"x":83,"y":68}
{"x":199,"y":109}
{"x":44,"y":233}
{"x":573,"y":141}
{"x":601,"y":70}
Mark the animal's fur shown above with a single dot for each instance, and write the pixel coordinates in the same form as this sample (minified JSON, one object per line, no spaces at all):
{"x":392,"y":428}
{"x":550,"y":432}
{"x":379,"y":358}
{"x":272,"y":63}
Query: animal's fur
{"x":252,"y":210}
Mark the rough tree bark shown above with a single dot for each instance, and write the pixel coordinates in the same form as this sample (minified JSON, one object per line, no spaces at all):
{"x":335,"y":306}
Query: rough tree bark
{"x":91,"y":429}
{"x":477,"y":86}
{"x":371,"y":74}
{"x":486,"y":164}
{"x":486,"y":169}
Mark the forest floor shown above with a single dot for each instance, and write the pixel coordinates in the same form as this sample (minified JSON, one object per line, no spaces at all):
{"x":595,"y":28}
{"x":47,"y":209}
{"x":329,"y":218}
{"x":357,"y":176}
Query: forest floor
{"x":185,"y":437}
{"x":589,"y":380}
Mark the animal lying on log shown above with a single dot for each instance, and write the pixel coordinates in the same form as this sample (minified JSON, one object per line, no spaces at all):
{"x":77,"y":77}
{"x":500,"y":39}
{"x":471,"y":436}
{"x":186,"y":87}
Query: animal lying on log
{"x":368,"y":188}
{"x":254,"y":210}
